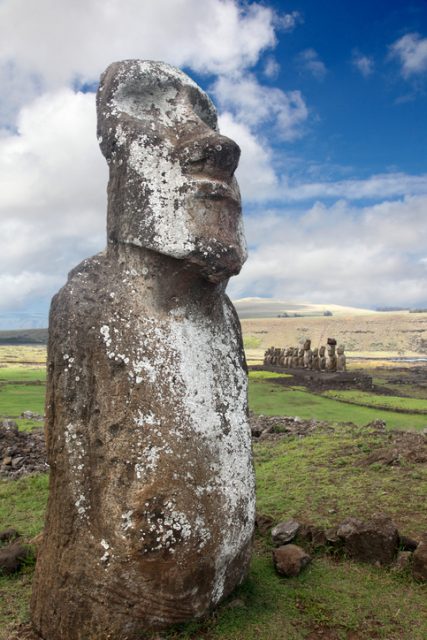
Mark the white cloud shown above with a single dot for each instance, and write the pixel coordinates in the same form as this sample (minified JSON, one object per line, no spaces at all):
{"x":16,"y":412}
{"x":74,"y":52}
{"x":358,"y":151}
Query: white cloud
{"x":253,"y":105}
{"x":411,"y":51}
{"x":255,"y":173}
{"x":271,"y":68}
{"x":364,"y":64}
{"x":376,"y":187}
{"x":52,"y":193}
{"x":309,"y":60}
{"x":61,"y":41}
{"x":289,"y":21}
{"x":365,"y":256}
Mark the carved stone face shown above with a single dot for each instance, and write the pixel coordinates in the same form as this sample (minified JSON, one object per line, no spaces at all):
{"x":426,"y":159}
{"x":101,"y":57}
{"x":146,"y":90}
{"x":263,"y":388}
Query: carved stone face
{"x":172,"y":187}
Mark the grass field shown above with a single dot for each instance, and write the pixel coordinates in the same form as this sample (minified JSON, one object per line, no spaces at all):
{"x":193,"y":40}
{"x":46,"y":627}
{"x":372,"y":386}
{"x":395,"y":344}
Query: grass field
{"x":272,"y":399}
{"x":320,"y":479}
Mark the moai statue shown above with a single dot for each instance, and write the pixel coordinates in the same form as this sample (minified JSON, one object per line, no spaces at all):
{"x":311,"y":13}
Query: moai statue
{"x":287,"y":359}
{"x":322,"y":359}
{"x":301,"y":358}
{"x":277,"y":353}
{"x":282,"y":357}
{"x":295,"y":360}
{"x":267,"y":356}
{"x":308,"y":354}
{"x":315,"y":364}
{"x":341,"y":359}
{"x":151,"y":506}
{"x":331,"y":358}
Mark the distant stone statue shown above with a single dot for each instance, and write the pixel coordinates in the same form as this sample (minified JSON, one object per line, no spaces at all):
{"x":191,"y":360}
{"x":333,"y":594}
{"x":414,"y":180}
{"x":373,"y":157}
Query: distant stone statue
{"x":322,"y":359}
{"x":341,"y":359}
{"x":295,"y":359}
{"x":315,"y":365}
{"x":331,"y":358}
{"x":301,"y":358}
{"x":151,"y":506}
{"x":288,"y":358}
{"x":308,"y":354}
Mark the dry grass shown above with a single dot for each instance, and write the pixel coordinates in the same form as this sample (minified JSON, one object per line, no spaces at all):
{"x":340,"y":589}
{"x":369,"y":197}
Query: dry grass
{"x":376,"y":334}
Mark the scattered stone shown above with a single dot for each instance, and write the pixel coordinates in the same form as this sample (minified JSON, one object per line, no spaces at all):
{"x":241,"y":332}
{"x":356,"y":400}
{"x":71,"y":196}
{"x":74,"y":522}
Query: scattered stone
{"x":30,"y":415}
{"x":263,"y":523}
{"x":12,"y":557}
{"x":284,"y":532}
{"x":8,"y":534}
{"x":8,"y":426}
{"x":21,"y":452}
{"x":374,"y":541}
{"x":407,"y":544}
{"x":289,"y":560}
{"x":331,"y":536}
{"x":419,"y":564}
{"x":313,"y":535}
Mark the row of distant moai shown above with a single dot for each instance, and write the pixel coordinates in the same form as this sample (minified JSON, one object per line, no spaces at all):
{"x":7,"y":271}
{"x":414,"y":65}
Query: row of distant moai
{"x":329,"y":358}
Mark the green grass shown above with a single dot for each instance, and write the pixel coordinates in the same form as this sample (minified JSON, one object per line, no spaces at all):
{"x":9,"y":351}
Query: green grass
{"x":251,"y":342}
{"x":23,"y":503}
{"x":320,"y":479}
{"x":366,"y":398}
{"x":16,"y":398}
{"x":273,"y":399}
{"x":324,"y":478}
{"x":23,"y":373}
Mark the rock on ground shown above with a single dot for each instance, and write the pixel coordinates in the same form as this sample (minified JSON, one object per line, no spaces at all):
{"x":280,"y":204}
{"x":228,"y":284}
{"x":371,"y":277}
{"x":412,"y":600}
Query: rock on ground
{"x":289,"y":560}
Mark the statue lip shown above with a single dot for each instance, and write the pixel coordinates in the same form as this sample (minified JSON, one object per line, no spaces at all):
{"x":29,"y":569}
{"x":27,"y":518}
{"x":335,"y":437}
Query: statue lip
{"x":214,"y":189}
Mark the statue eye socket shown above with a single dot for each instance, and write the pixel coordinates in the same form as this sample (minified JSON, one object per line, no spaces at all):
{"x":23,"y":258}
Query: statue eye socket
{"x":156,"y":102}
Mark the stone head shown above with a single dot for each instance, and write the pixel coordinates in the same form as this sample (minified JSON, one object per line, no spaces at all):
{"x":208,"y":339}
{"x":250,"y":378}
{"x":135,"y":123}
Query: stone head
{"x":322,"y":352}
{"x":307,"y":345}
{"x":340,"y":350}
{"x":172,"y":187}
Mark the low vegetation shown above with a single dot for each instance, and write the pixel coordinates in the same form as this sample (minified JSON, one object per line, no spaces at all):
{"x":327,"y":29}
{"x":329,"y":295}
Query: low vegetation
{"x":321,"y":478}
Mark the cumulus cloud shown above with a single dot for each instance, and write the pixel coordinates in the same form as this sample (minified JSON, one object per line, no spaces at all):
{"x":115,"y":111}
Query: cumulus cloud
{"x":61,"y":41}
{"x":363,"y":64}
{"x":376,"y":187}
{"x":255,"y":173}
{"x":366,"y":256}
{"x":411,"y":52}
{"x":289,"y":21}
{"x":271,"y":68}
{"x":254,"y":104}
{"x":308,"y":60}
{"x":52,"y":193}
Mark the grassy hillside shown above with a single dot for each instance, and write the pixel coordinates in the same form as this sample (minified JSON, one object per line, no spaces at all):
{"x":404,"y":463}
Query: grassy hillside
{"x":23,"y":336}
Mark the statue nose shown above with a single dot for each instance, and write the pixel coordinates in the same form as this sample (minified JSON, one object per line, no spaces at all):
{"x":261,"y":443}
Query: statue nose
{"x":213,"y":155}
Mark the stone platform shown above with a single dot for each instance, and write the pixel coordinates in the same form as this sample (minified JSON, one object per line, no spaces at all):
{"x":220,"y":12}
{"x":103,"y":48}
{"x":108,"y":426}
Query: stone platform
{"x":323,"y":379}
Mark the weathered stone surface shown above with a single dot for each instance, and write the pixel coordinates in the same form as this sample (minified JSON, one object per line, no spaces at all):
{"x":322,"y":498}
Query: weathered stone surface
{"x":151,"y":507}
{"x":290,"y":559}
{"x":284,"y":532}
{"x":8,"y":534}
{"x":407,"y":544}
{"x":12,"y":557}
{"x":375,"y":541}
{"x":419,"y":564}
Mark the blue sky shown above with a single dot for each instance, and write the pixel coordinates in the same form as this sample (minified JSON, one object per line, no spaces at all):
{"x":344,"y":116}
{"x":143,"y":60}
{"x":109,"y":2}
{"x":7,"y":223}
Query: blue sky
{"x":328,"y":102}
